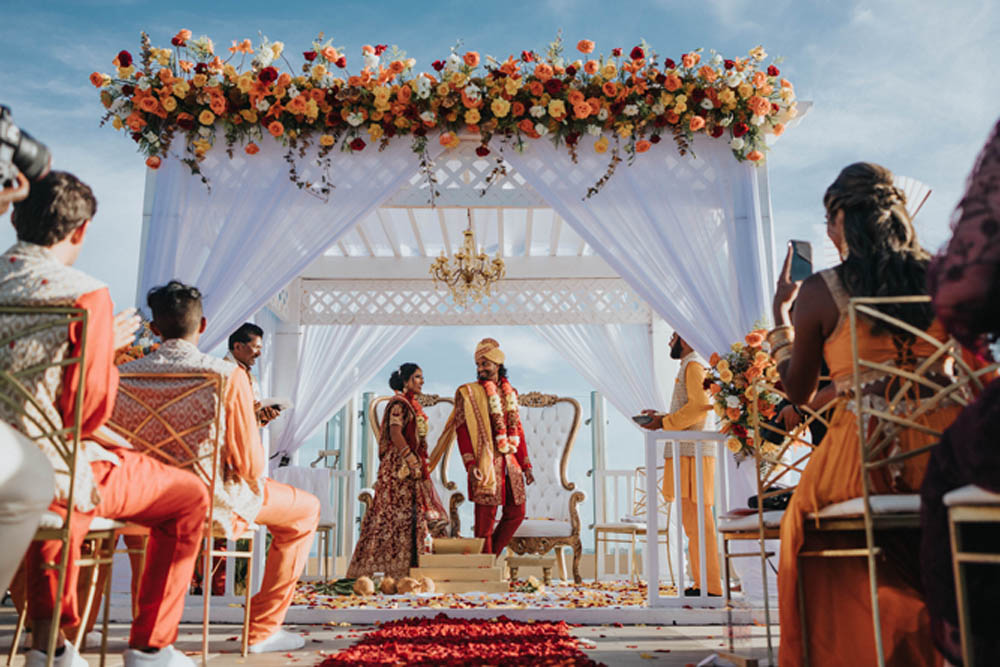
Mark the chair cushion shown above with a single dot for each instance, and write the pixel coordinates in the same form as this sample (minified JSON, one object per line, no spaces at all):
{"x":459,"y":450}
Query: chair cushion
{"x":772,"y":519}
{"x":898,"y":503}
{"x":52,"y":521}
{"x":544,"y":528}
{"x":971,"y":495}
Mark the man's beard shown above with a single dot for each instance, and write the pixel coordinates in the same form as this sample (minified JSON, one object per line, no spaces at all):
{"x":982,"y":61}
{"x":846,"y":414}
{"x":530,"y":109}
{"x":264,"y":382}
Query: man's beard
{"x":677,"y":350}
{"x":484,"y":375}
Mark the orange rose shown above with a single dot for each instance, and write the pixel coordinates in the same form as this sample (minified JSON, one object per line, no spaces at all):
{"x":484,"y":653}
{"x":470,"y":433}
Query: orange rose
{"x":733,"y":414}
{"x":536,"y":88}
{"x":153,"y":161}
{"x":148,"y":104}
{"x":714,"y":388}
{"x":182,"y":36}
{"x":752,"y":373}
{"x":690,"y":59}
{"x":714,"y":359}
{"x":218,"y":104}
{"x":758,"y":79}
{"x":575,"y":97}
{"x":778,"y":129}
{"x":471,"y":58}
{"x":276,"y":128}
{"x":755,"y":156}
{"x":446,"y":138}
{"x":97,"y":79}
{"x":590,"y":67}
{"x":754,"y":338}
{"x":672,"y":83}
{"x":543,"y":71}
{"x":581,"y":111}
{"x":135,"y":121}
{"x":595,"y":105}
{"x":252,"y":148}
{"x":707,"y":73}
{"x":330,"y":54}
{"x":642,"y":146}
{"x":526,"y":126}
{"x":585,"y":46}
{"x":759,"y":105}
{"x":697,"y":122}
{"x":610,"y":88}
{"x":404,"y":94}
{"x":672,"y":117}
{"x":517,"y":109}
{"x":396,"y":66}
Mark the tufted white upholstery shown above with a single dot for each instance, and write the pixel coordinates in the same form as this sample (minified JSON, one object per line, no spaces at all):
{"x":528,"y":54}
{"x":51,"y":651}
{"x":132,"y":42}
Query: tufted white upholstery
{"x":544,"y":528}
{"x":546,"y":431}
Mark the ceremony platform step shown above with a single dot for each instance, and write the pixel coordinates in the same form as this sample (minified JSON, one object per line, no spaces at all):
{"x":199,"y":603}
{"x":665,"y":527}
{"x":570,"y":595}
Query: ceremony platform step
{"x":457,"y":560}
{"x":488,"y":587}
{"x":458,"y":573}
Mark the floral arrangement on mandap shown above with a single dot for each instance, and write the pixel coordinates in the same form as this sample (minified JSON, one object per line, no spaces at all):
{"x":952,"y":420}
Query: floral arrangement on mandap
{"x":145,"y":343}
{"x":626,"y":101}
{"x":736,"y":381}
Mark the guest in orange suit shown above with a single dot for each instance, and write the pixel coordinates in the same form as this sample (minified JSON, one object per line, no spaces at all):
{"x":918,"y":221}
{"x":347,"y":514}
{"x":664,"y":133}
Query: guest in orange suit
{"x":491,"y":441}
{"x":112,"y":481}
{"x":247,"y":495}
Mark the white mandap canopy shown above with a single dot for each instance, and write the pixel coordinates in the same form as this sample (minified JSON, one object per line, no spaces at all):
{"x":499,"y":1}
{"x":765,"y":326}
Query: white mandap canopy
{"x":678,"y":241}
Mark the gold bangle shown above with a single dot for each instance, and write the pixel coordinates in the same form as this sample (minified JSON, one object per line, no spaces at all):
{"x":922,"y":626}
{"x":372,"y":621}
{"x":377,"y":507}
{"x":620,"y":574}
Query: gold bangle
{"x":782,"y":354}
{"x":780,"y":336}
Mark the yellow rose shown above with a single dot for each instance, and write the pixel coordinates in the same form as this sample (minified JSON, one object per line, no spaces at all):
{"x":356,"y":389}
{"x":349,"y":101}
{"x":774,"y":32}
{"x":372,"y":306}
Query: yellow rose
{"x":377,"y":115}
{"x":745,"y":90}
{"x":666,"y":99}
{"x":727,"y":96}
{"x":116,"y":123}
{"x":245,"y":83}
{"x":199,"y":80}
{"x":457,"y":79}
{"x":680,"y":108}
{"x":170,"y":103}
{"x":726,"y":376}
{"x":609,"y":71}
{"x":472,"y":117}
{"x":277,"y":48}
{"x":375,"y":131}
{"x":512,"y":85}
{"x":181,"y":89}
{"x":230,"y":72}
{"x":761,"y":357}
{"x":719,"y":410}
{"x":733,"y":445}
{"x":206,"y":117}
{"x":326,"y":140}
{"x":201,"y":146}
{"x":382,"y":94}
{"x":723,"y":365}
{"x":625,"y":130}
{"x":557,"y":108}
{"x":249,"y":115}
{"x":736,"y":347}
{"x":443,"y":89}
{"x":500,"y":107}
{"x":318,"y":71}
{"x":601,"y":145}
{"x":772,"y":374}
{"x":125,"y":72}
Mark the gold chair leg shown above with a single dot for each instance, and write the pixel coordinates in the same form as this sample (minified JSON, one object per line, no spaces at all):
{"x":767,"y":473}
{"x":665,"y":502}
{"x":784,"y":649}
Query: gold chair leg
{"x":57,"y":606}
{"x":95,"y":573}
{"x":206,"y":595}
{"x":18,"y":631}
{"x":245,"y":647}
{"x":107,"y":602}
{"x":961,"y":598}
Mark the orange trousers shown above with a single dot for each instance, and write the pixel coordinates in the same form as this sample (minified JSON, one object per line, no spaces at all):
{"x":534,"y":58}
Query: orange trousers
{"x":173,"y":503}
{"x":291,"y":515}
{"x":689,"y":517}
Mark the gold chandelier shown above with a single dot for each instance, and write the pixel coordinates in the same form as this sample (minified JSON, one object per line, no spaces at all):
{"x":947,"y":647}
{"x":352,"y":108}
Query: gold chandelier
{"x":473,"y":275}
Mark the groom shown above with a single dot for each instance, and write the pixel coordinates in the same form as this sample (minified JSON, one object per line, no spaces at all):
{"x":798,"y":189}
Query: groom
{"x":491,"y":440}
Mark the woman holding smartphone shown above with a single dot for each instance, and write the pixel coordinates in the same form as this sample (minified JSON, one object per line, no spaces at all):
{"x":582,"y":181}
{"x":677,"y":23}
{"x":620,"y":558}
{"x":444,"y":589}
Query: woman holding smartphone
{"x":868,"y":223}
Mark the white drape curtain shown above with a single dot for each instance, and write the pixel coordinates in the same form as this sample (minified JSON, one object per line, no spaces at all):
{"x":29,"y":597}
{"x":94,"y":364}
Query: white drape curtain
{"x":683,"y":231}
{"x":254,"y":231}
{"x":616,"y":359}
{"x":335,"y":362}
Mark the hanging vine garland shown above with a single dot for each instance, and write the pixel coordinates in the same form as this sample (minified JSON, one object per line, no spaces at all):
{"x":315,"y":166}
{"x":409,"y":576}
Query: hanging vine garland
{"x":192,"y":92}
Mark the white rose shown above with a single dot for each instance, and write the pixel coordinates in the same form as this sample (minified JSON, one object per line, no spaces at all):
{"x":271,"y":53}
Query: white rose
{"x":541,"y":129}
{"x":213,"y":81}
{"x":602,"y":114}
{"x":757,"y":120}
{"x":726,"y":122}
{"x":658,"y":109}
{"x":355,"y":119}
{"x":732,"y":401}
{"x":143,"y":84}
{"x":263,"y":105}
{"x":594,"y":130}
{"x":292,"y":91}
{"x":423,"y":87}
{"x":630,"y":110}
{"x":733,"y":79}
{"x":151,"y":137}
{"x":371,"y":61}
{"x":537,"y":111}
{"x":453,"y":62}
{"x":737,"y":143}
{"x":472,"y":92}
{"x":205,"y":131}
{"x":716,"y":60}
{"x":428,"y":117}
{"x":707,"y":104}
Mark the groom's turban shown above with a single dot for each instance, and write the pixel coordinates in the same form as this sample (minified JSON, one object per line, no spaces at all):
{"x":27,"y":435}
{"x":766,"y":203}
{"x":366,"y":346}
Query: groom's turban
{"x":489,"y":349}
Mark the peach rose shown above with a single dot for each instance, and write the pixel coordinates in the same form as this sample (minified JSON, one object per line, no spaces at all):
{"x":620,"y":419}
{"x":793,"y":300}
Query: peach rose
{"x":252,"y":149}
{"x":778,"y":129}
{"x":330,"y":54}
{"x":536,"y":88}
{"x":471,"y":58}
{"x":148,"y":104}
{"x":183,"y":36}
{"x":97,"y":79}
{"x":575,"y":97}
{"x":696,"y":123}
{"x":153,"y":162}
{"x":585,"y":46}
{"x":754,"y":338}
{"x":276,"y":128}
{"x":672,"y":83}
{"x":714,"y":388}
{"x":590,"y":67}
{"x":707,"y":73}
{"x":690,"y":59}
{"x":404,"y":94}
{"x":610,"y":88}
{"x":446,"y":139}
{"x":755,"y":156}
{"x":581,"y":111}
{"x":543,"y":71}
{"x":759,"y":105}
{"x":642,"y":146}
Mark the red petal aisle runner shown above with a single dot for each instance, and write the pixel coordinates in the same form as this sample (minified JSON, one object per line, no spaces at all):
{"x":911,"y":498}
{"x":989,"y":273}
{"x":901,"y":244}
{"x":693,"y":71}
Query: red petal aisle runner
{"x":455,"y":641}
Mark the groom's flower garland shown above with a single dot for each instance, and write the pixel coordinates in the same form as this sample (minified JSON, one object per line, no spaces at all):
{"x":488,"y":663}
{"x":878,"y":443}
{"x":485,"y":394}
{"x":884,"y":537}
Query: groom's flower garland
{"x":621,"y":102}
{"x":503,"y":416}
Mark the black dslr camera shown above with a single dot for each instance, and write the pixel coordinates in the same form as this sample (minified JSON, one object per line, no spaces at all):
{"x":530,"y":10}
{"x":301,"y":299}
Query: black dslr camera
{"x":19,"y":152}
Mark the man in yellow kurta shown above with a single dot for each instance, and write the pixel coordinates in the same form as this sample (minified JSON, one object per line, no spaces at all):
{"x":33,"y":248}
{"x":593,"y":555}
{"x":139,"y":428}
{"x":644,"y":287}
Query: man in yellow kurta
{"x":689,"y":408}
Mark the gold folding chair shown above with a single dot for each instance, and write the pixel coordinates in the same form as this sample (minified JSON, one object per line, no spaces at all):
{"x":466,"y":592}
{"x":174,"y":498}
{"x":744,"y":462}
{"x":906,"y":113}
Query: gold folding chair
{"x":176,"y":418}
{"x":19,"y":405}
{"x":912,"y":391}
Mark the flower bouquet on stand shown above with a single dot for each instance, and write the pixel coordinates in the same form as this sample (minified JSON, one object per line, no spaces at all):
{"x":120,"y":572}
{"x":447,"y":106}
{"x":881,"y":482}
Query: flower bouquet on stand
{"x":145,"y":342}
{"x":738,"y":380}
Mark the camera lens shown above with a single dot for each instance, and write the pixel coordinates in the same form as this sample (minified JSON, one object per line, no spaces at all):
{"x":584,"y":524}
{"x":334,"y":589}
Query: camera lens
{"x":31,"y":157}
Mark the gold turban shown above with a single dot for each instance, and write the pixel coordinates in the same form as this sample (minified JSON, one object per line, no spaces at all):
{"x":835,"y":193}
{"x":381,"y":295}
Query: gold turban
{"x":489,"y":349}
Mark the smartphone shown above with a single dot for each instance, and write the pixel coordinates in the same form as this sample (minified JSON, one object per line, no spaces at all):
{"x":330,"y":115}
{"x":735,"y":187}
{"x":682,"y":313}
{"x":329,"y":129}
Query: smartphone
{"x":642,"y":420}
{"x":801,"y":260}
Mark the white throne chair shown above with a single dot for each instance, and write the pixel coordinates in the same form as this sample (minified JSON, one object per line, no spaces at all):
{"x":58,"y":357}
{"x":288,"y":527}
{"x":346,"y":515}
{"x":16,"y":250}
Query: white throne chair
{"x":551,"y":520}
{"x":437,"y":409}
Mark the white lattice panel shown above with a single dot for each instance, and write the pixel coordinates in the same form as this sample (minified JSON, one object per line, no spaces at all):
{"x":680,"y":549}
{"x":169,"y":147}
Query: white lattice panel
{"x":514,"y":302}
{"x":279,"y":305}
{"x":461,"y":181}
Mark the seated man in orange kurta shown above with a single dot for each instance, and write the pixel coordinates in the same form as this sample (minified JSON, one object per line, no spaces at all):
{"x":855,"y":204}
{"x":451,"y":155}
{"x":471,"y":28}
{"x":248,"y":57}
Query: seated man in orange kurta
{"x":246,"y":496}
{"x":689,"y":407}
{"x":491,"y":441}
{"x":111,"y":481}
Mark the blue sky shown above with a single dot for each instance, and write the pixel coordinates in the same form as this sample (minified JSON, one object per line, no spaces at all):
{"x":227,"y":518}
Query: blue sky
{"x":911,"y":85}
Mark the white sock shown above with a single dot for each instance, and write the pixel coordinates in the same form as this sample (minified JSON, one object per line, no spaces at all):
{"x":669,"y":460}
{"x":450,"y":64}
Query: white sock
{"x":281,"y":640}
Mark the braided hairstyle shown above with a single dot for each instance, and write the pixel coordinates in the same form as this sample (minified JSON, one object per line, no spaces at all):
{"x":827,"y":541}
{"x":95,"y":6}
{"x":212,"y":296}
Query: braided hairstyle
{"x":884,"y":257}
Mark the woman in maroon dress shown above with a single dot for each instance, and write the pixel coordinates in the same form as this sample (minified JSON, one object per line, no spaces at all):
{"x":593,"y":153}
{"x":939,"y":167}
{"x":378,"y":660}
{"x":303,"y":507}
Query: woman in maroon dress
{"x":405,"y":508}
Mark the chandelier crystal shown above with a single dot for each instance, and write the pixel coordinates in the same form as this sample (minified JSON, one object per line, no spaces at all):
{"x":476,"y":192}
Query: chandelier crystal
{"x":470,"y":274}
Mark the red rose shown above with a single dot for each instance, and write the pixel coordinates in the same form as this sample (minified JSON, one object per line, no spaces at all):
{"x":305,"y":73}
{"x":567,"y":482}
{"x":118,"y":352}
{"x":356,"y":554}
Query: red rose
{"x":661,"y":78}
{"x":380,"y":49}
{"x":177,"y":41}
{"x":637,"y":53}
{"x":773,"y":71}
{"x":669,"y":63}
{"x":201,"y":68}
{"x":341,"y":62}
{"x":482,"y":151}
{"x":660,"y":121}
{"x":438,"y":65}
{"x":527,"y":56}
{"x":740,"y":431}
{"x":553,"y":86}
{"x":740,"y":129}
{"x":571,"y":70}
{"x":127,"y":90}
{"x":267,"y":75}
{"x":655,"y":139}
{"x":357,"y":144}
{"x":186,"y":123}
{"x":717,"y":131}
{"x":616,"y":52}
{"x":729,"y":64}
{"x":775,"y":108}
{"x":124,"y":59}
{"x":698,"y":94}
{"x":309,"y":55}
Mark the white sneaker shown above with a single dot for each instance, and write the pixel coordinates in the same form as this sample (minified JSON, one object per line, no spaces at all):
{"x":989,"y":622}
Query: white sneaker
{"x":280,"y":641}
{"x":167,"y":656}
{"x":69,"y":658}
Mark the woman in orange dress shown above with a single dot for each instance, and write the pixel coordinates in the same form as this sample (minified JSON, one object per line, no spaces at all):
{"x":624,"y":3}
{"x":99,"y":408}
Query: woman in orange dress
{"x":868,"y":223}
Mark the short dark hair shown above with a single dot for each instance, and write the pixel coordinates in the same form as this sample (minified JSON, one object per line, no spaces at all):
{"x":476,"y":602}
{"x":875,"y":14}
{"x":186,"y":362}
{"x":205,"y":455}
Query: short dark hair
{"x":176,"y":309}
{"x":246,"y":331}
{"x":55,"y":206}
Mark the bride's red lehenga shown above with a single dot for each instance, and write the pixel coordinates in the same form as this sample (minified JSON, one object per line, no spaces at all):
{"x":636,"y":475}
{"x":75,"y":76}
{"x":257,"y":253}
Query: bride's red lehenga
{"x":404,"y":509}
